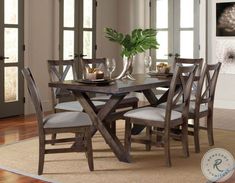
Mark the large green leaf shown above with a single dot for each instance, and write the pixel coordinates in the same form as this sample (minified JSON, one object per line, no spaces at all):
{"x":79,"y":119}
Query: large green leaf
{"x":139,"y":41}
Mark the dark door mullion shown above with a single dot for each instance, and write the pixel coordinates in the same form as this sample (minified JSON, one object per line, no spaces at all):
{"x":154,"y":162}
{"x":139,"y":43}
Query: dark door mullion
{"x":78,"y":49}
{"x":1,"y":49}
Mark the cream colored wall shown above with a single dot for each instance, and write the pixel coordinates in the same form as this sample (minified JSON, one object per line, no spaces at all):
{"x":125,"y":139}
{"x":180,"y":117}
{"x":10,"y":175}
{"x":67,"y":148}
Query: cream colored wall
{"x":39,"y":41}
{"x":133,"y":14}
{"x":107,"y":16}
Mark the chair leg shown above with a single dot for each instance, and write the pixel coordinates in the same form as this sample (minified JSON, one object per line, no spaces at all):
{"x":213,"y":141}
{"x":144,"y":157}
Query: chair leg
{"x":149,"y":138}
{"x":113,"y":127}
{"x":210,"y":129}
{"x":158,"y":137}
{"x":53,"y":138}
{"x":127,"y":138}
{"x":89,"y":150}
{"x":196,"y":134}
{"x":167,"y":150}
{"x":184,"y":139}
{"x":41,"y":156}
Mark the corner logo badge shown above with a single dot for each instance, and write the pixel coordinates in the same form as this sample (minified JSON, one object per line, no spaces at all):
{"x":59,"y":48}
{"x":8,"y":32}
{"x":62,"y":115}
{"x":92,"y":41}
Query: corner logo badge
{"x":218,"y":165}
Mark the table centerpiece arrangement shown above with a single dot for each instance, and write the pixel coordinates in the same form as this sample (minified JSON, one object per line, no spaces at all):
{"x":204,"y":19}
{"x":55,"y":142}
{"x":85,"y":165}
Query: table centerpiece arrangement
{"x":138,"y":41}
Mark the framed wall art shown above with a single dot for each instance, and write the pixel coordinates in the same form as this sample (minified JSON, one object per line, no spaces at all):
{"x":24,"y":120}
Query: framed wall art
{"x":225,"y":19}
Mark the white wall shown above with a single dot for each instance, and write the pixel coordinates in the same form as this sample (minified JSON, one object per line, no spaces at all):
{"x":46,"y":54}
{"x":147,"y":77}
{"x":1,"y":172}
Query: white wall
{"x":225,"y":97}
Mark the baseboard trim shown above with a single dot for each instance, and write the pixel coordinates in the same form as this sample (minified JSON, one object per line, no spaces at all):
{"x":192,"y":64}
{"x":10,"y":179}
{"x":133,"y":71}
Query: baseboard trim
{"x":29,"y":108}
{"x":224,"y":104}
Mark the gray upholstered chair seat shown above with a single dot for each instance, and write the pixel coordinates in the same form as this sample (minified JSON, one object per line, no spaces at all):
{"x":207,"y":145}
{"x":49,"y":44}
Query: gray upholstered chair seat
{"x":152,"y":114}
{"x":203,"y":108}
{"x":66,"y":119}
{"x":74,"y":105}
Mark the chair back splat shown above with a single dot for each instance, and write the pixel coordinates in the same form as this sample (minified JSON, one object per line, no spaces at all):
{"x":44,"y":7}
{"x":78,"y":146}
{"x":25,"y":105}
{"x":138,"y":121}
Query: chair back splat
{"x":208,"y":79}
{"x":187,"y":61}
{"x":33,"y":91}
{"x":61,"y":70}
{"x":180,"y":86}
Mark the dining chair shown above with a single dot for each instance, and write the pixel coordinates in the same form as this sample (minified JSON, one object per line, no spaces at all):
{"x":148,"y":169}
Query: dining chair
{"x":161,"y":90}
{"x":191,"y":61}
{"x":64,"y":100}
{"x":64,"y":122}
{"x":129,"y":101}
{"x":203,"y":105}
{"x":60,"y":70}
{"x":167,"y":118}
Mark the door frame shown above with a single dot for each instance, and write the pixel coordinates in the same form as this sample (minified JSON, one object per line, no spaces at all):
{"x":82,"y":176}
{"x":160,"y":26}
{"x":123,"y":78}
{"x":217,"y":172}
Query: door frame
{"x":174,"y":28}
{"x":78,"y":32}
{"x":10,"y":109}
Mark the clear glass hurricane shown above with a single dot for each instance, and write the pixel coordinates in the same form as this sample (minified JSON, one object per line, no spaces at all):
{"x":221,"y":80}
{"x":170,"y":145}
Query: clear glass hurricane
{"x":111,"y":65}
{"x":147,"y":62}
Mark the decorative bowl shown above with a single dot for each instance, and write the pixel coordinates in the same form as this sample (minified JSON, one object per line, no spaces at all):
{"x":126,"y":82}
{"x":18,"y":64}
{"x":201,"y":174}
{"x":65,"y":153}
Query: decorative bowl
{"x":163,"y":68}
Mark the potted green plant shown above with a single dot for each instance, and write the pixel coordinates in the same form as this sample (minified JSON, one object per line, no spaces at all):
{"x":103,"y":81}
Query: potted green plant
{"x":138,"y":41}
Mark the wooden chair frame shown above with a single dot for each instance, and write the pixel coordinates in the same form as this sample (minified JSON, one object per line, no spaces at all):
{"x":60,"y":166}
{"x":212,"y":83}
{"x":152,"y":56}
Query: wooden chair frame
{"x":205,"y":95}
{"x":85,"y":131}
{"x":186,"y":83}
{"x":58,"y":70}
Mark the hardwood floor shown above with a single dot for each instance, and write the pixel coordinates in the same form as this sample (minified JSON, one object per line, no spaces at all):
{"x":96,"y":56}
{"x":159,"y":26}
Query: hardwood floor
{"x":23,"y":127}
{"x":8,"y":177}
{"x":17,"y":128}
{"x":12,"y":130}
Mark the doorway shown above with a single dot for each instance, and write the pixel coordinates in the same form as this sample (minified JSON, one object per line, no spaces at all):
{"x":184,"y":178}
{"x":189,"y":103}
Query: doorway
{"x":77,"y":30}
{"x":177,"y":24}
{"x":11,"y":58}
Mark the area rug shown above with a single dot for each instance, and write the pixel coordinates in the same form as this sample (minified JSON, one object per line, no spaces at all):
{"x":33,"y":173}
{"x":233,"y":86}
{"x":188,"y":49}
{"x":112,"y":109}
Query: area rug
{"x":146,"y":166}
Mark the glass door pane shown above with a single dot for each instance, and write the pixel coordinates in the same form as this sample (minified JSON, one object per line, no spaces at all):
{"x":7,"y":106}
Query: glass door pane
{"x":69,"y":13}
{"x":11,"y":11}
{"x":11,"y":84}
{"x":187,"y":29}
{"x":11,"y":45}
{"x":186,"y":44}
{"x":162,"y":26}
{"x":162,"y":38}
{"x":162,"y":14}
{"x":187,"y":13}
{"x":87,"y":44}
{"x":88,"y":13}
{"x":88,"y":29}
{"x":68,"y":44}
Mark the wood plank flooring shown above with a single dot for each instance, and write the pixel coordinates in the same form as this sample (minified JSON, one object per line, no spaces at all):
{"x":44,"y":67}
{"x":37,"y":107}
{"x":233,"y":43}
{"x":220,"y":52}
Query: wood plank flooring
{"x":12,"y":130}
{"x":22,"y":127}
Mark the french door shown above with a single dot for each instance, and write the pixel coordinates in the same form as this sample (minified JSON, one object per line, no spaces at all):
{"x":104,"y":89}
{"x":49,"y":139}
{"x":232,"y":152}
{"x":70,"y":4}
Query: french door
{"x":177,"y":24}
{"x":11,"y":58}
{"x":77,"y":30}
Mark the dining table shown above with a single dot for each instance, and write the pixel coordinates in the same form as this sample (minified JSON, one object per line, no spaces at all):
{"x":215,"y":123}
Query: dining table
{"x":117,"y":90}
